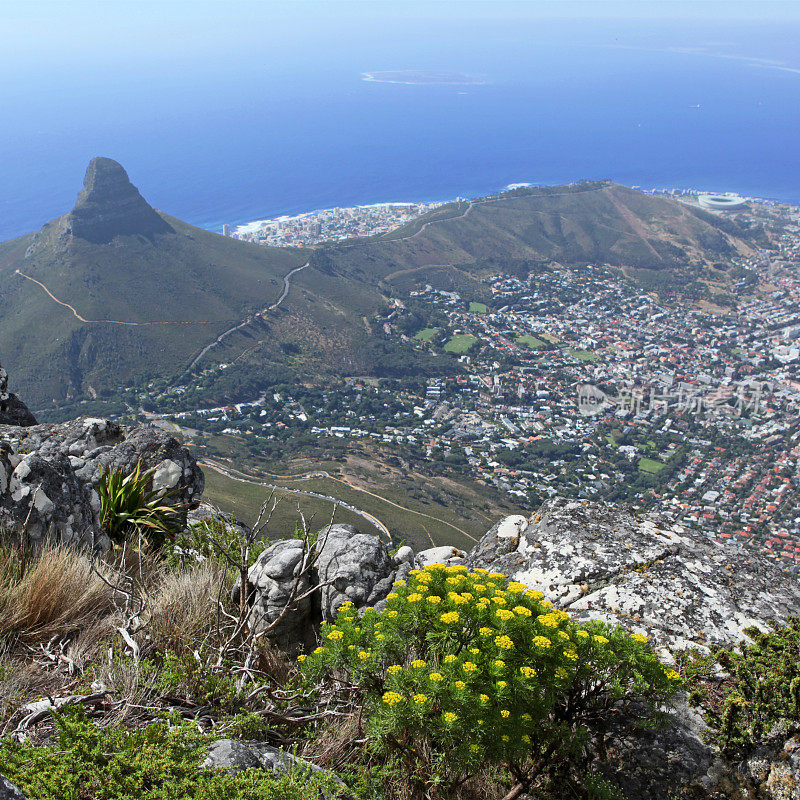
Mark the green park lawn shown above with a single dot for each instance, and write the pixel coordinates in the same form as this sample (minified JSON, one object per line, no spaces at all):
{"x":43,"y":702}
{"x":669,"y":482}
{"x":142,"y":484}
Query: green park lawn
{"x":477,"y":308}
{"x":530,"y":341}
{"x":584,"y":355}
{"x":426,"y":334}
{"x":460,"y":343}
{"x":650,"y":465}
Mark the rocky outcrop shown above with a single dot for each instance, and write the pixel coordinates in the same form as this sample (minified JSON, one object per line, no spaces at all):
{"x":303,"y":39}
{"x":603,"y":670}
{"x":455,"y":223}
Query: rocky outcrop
{"x":8,"y":791}
{"x":672,"y":584}
{"x":12,"y":410}
{"x":49,"y":474}
{"x":345,"y":565}
{"x":110,"y":205}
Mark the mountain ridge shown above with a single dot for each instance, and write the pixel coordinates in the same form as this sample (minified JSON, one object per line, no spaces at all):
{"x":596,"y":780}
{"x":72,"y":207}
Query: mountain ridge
{"x":114,"y":292}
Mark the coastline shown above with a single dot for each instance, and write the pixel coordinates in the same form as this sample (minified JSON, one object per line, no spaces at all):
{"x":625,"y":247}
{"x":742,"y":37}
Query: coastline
{"x":253,"y":226}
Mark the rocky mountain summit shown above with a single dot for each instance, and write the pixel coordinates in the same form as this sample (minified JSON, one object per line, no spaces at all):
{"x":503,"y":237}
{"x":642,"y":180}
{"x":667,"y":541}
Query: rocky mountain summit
{"x":110,"y":205}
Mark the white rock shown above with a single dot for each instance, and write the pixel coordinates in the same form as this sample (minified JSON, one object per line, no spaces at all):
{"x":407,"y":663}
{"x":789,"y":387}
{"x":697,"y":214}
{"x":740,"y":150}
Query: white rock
{"x":167,"y":475}
{"x":511,"y":527}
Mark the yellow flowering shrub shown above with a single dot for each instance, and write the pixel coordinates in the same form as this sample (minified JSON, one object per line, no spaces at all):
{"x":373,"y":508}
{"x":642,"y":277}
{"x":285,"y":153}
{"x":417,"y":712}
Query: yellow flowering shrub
{"x":474,"y":682}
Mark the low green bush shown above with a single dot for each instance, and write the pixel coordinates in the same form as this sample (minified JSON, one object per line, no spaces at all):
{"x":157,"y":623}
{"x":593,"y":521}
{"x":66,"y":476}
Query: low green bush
{"x":464,"y":670}
{"x":158,"y":762}
{"x":761,"y":689}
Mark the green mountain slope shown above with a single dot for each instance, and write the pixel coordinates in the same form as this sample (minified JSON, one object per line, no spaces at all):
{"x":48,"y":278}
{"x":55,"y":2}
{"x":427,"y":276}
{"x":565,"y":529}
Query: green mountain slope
{"x":588,"y":222}
{"x":151,"y":290}
{"x":115,"y":292}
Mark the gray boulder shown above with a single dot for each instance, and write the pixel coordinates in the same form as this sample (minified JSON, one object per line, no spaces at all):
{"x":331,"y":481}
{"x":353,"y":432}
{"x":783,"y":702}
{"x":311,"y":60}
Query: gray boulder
{"x":348,"y":565}
{"x":230,"y":756}
{"x":12,"y":410}
{"x":234,"y":756}
{"x":8,"y":791}
{"x":49,"y":474}
{"x":449,"y":556}
{"x":352,"y":566}
{"x":270,"y":582}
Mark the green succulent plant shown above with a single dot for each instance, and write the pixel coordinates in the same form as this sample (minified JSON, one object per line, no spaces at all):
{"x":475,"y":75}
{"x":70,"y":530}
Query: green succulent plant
{"x":129,"y":504}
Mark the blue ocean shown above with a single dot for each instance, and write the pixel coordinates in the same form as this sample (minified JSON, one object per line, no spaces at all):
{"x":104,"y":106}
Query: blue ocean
{"x":228,"y":118}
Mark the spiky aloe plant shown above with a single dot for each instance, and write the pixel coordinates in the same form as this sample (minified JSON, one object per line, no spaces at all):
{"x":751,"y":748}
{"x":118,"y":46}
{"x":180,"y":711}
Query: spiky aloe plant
{"x":129,"y":504}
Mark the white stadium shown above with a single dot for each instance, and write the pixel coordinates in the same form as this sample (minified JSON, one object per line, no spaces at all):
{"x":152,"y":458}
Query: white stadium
{"x":722,"y":202}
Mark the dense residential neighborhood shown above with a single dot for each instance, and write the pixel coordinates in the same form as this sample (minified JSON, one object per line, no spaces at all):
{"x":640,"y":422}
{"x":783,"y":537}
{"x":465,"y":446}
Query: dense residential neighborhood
{"x":577,"y":382}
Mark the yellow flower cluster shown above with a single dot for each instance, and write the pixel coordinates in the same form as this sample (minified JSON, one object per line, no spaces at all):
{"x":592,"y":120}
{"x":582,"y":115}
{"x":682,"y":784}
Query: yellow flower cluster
{"x":548,"y":620}
{"x":504,"y":640}
{"x":392,"y":698}
{"x":433,"y":599}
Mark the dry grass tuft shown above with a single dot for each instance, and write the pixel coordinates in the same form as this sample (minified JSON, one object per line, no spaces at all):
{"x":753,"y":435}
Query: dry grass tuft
{"x":335,"y":744}
{"x":182,"y":608}
{"x":54,"y":593}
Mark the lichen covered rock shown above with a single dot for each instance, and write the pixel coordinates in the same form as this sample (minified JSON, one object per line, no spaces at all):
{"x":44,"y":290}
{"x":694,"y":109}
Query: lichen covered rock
{"x":672,"y":584}
{"x":49,"y":474}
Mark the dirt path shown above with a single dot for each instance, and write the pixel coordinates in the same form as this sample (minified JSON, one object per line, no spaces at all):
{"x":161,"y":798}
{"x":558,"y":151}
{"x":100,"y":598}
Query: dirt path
{"x":236,"y":475}
{"x":98,"y":321}
{"x":244,"y":323}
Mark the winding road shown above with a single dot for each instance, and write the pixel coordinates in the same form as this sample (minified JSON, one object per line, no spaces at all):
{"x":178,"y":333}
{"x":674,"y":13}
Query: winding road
{"x":244,"y":323}
{"x":238,"y":475}
{"x":242,"y":477}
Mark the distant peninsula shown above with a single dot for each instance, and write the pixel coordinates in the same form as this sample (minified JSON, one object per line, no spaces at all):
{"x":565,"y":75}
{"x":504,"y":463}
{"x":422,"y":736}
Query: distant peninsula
{"x":418,"y":77}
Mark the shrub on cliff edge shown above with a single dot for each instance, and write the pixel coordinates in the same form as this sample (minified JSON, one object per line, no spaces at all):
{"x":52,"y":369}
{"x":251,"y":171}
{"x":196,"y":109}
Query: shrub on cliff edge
{"x":464,"y":670}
